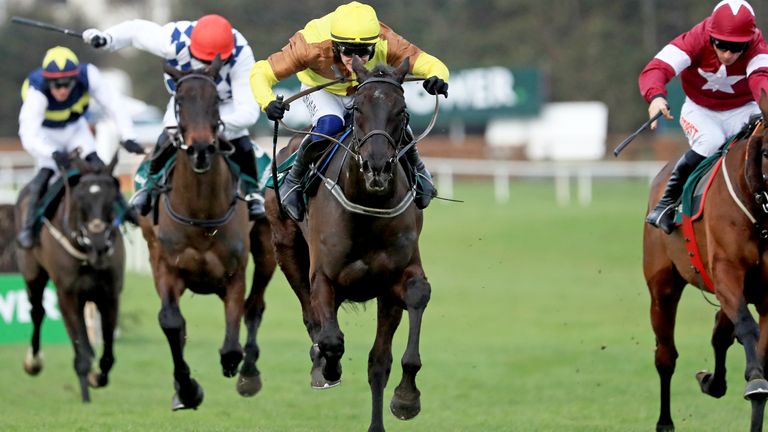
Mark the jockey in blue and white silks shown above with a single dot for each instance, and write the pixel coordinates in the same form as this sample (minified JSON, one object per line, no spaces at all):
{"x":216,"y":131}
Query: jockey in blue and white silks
{"x":52,"y":122}
{"x":188,"y":45}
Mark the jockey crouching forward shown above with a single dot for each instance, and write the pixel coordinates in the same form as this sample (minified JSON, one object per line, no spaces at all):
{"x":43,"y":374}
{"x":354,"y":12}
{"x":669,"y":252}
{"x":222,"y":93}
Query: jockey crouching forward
{"x":52,"y":124}
{"x":188,"y":45}
{"x":324,"y":48}
{"x":723,"y":67}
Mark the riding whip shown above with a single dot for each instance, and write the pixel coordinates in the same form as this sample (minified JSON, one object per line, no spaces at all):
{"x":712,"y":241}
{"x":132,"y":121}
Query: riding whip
{"x":274,"y":165}
{"x":46,"y":26}
{"x":629,"y":139}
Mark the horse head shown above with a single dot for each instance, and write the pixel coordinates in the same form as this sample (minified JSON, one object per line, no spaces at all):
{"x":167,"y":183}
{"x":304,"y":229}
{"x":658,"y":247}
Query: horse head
{"x":380,"y":121}
{"x":92,"y":218}
{"x":197,"y":115}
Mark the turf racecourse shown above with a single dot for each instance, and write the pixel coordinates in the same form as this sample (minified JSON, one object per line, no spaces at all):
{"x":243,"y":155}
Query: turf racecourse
{"x":538,"y":322}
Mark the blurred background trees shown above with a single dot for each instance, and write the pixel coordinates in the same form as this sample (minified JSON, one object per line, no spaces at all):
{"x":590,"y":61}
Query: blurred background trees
{"x":588,"y":49}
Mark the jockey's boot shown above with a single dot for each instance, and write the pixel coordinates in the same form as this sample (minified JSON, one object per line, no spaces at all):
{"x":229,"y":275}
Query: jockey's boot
{"x":37,"y":187}
{"x":141,"y":201}
{"x":663,"y":215}
{"x":425,"y":187}
{"x":291,"y":191}
{"x":129,"y":213}
{"x":245,"y":158}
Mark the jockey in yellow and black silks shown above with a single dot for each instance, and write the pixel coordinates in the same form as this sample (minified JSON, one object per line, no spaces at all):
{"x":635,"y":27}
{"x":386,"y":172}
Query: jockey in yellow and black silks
{"x":52,"y":124}
{"x":323,"y":48}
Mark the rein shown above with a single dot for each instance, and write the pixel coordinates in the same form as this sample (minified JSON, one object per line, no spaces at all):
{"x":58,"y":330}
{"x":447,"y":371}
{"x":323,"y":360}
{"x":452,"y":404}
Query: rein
{"x":761,"y":197}
{"x":402,"y":151}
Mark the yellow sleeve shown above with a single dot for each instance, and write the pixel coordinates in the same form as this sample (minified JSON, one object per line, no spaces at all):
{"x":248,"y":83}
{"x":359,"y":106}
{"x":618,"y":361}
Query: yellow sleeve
{"x":427,"y":66}
{"x":262,"y":81}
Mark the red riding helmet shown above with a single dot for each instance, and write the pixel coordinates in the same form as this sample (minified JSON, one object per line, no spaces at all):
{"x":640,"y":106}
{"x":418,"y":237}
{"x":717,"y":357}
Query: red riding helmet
{"x":732,"y":21}
{"x":212,"y":35}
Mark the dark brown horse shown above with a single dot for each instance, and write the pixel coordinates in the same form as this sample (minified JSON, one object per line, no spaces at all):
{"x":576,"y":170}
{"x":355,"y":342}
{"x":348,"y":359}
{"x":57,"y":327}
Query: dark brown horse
{"x":360,"y":241}
{"x":201,"y":240}
{"x":731,"y":238}
{"x":81,"y":251}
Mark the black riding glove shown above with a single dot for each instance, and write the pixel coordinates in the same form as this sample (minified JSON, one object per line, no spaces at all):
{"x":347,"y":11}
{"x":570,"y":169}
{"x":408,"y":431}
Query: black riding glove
{"x":276,"y":109}
{"x":434,"y":85}
{"x":132,"y":146}
{"x":95,"y":161}
{"x":61,"y":159}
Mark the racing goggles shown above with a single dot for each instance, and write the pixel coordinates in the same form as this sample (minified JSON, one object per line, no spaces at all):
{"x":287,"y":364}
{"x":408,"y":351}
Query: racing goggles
{"x":360,"y":50}
{"x":734,"y":47}
{"x":66,"y":82}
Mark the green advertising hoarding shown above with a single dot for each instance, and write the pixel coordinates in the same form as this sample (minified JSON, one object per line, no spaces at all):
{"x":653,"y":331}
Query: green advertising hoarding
{"x":474,"y":97}
{"x":15,"y":319}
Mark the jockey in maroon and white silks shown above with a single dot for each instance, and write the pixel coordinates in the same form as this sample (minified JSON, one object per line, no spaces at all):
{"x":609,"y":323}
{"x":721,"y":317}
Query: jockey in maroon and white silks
{"x":723,"y":66}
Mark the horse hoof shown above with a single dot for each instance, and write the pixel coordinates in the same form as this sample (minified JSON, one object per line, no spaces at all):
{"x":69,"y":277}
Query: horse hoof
{"x":665,"y":428}
{"x":318,"y":381}
{"x":33,"y":364}
{"x":185,"y":400}
{"x":757,"y":389}
{"x":230,"y":363}
{"x":404,"y":408}
{"x":248,"y":386}
{"x":93,"y":379}
{"x":710,"y":387}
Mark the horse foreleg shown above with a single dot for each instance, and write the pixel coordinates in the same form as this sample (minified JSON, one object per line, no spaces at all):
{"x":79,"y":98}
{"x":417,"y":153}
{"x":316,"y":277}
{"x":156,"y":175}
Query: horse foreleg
{"x":330,"y":339}
{"x":714,"y":384}
{"x":406,"y":402}
{"x":189,"y":394}
{"x":109,"y":312}
{"x":231,"y":352}
{"x":380,"y":358}
{"x":71,"y":308}
{"x":33,"y":362}
{"x":249,"y":382}
{"x":665,"y":289}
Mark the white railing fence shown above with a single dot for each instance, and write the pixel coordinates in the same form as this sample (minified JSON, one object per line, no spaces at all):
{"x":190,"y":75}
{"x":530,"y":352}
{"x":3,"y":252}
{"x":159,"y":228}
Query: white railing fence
{"x":16,"y":168}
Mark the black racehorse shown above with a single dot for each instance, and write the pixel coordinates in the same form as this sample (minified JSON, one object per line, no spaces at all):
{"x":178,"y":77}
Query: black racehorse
{"x":81,"y":251}
{"x":360,"y":241}
{"x":201,"y":239}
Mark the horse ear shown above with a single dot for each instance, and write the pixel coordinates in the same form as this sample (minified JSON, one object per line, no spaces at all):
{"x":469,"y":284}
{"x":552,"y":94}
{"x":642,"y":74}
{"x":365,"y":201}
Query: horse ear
{"x":763,"y":103}
{"x":213,"y":69}
{"x":172,"y":71}
{"x":81,"y":165}
{"x":402,"y":70}
{"x":112,"y":164}
{"x":359,"y":68}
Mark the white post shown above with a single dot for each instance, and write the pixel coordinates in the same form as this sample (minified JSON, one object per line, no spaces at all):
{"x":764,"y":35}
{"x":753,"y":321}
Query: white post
{"x":562,"y":188}
{"x":501,"y":185}
{"x":585,"y":187}
{"x":445,"y":181}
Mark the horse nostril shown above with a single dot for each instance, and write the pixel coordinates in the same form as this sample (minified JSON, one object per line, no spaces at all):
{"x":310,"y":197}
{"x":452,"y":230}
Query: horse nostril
{"x":366,"y":167}
{"x":211,"y":149}
{"x":387,"y":167}
{"x":190,"y":151}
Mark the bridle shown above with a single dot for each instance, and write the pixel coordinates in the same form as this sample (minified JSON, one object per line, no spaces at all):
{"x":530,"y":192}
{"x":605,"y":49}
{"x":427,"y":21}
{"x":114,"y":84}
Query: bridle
{"x":77,"y":241}
{"x":357,"y":142}
{"x":176,"y":134}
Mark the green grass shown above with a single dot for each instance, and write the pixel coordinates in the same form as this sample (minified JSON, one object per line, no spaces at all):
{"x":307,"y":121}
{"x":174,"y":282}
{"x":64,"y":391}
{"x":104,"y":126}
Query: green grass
{"x":538,"y":322}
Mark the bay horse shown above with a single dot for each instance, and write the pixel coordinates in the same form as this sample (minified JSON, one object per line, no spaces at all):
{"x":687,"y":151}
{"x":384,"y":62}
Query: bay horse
{"x":81,"y":250}
{"x":732,"y":240}
{"x":199,"y":238}
{"x":359,"y":242}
